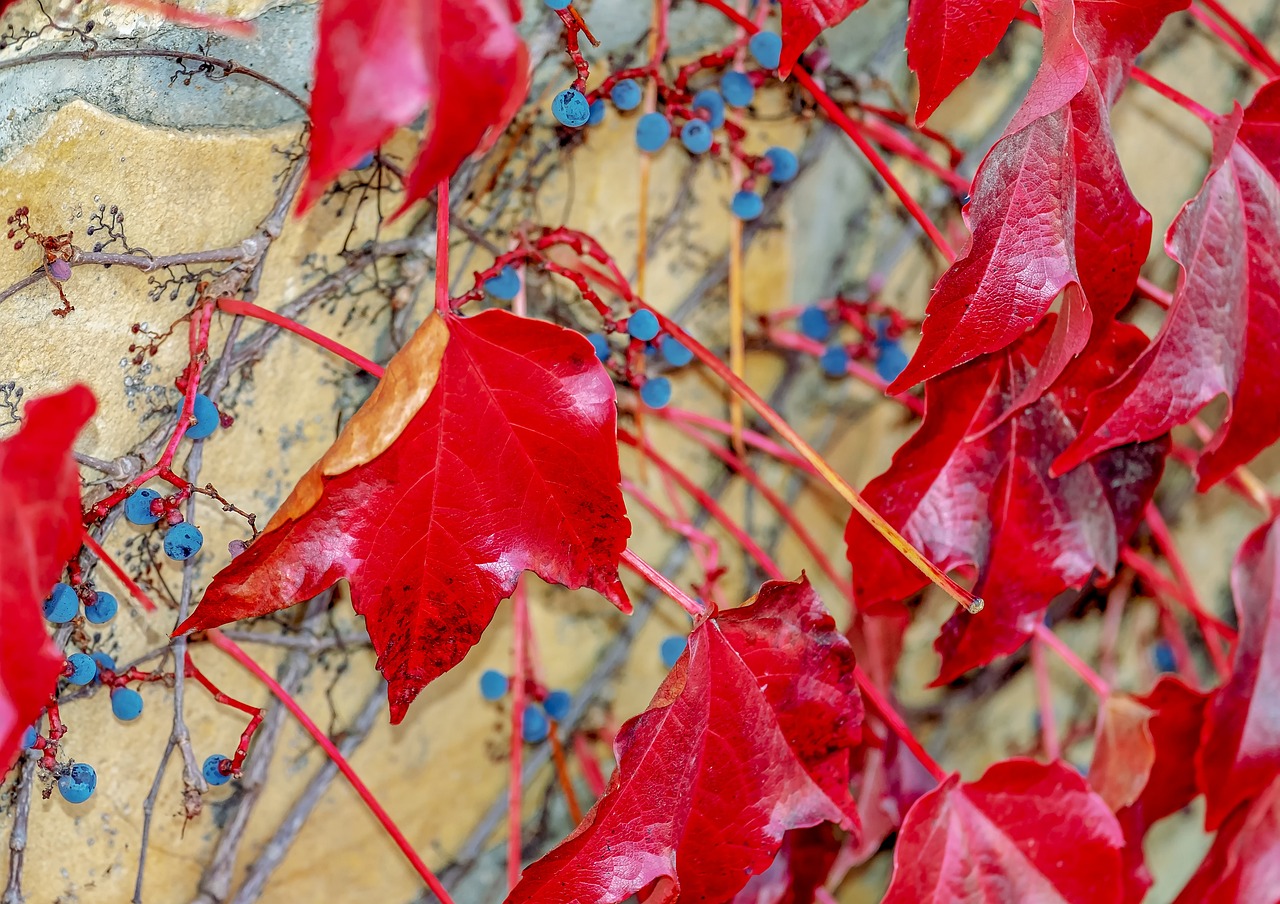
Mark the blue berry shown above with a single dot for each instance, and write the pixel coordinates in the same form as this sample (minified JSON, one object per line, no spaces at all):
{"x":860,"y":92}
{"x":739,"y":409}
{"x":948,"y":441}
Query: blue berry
{"x":557,"y":705}
{"x":814,"y":324}
{"x":1163,"y":655}
{"x":737,"y":89}
{"x":493,"y":684}
{"x":126,"y":703}
{"x":597,"y":112}
{"x":571,"y":108}
{"x":835,"y":361}
{"x":652,"y":132}
{"x":558,"y":4}
{"x":747,"y":205}
{"x":535,"y":727}
{"x":212,"y":770}
{"x":766,"y":47}
{"x":137,"y":508}
{"x":656,"y":393}
{"x":710,"y":99}
{"x":785,"y":164}
{"x":626,"y":94}
{"x":890,"y":361}
{"x":676,"y":352}
{"x":62,"y":605}
{"x":364,"y":162}
{"x":102,"y":609}
{"x":77,"y":785}
{"x":643,"y":325}
{"x":672,"y":648}
{"x":83,"y":668}
{"x":183,"y":541}
{"x":207,"y":418}
{"x":600,"y":343}
{"x":29,"y":737}
{"x":696,"y":136}
{"x":505,"y":286}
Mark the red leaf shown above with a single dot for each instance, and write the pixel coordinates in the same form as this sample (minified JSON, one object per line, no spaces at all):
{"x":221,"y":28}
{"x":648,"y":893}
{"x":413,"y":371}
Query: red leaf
{"x":1025,"y":831}
{"x":39,"y":532}
{"x":748,"y":737}
{"x":488,"y":449}
{"x":803,"y":865}
{"x":804,"y":20}
{"x":1051,"y":210}
{"x":1219,"y":336}
{"x":382,"y":62}
{"x":1125,"y":752}
{"x":947,"y":39}
{"x":1240,"y":749}
{"x":1243,"y":866}
{"x":969,"y":494}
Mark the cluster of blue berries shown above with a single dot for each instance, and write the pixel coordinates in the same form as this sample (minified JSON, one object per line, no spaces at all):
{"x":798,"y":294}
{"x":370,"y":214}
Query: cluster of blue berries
{"x":535,"y":726}
{"x":63,"y":604}
{"x":890,"y":358}
{"x":655,"y":392}
{"x":181,"y":541}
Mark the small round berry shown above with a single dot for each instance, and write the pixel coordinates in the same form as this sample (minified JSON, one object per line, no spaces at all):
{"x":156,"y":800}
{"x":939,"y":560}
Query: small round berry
{"x":643,"y":325}
{"x":835,"y":361}
{"x":890,"y":361}
{"x":126,"y":703}
{"x":206,"y":417}
{"x":656,"y":393}
{"x":597,"y":112}
{"x":785,"y":164}
{"x":747,"y":205}
{"x":535,"y":727}
{"x":364,"y":162}
{"x":558,"y":5}
{"x":766,"y":47}
{"x":626,"y":94}
{"x":505,"y":286}
{"x":29,"y":737}
{"x":652,"y":132}
{"x":557,"y":705}
{"x":571,"y":108}
{"x":814,"y":323}
{"x":737,"y":89}
{"x":600,"y":343}
{"x":696,"y":136}
{"x":712,"y":101}
{"x":102,"y":609}
{"x":137,"y":508}
{"x":675,"y":352}
{"x":83,"y":668}
{"x":182,"y":541}
{"x":76,"y":786}
{"x":672,"y":648}
{"x":1162,"y":653}
{"x":493,"y":684}
{"x":62,"y":604}
{"x":60,"y":270}
{"x":212,"y":770}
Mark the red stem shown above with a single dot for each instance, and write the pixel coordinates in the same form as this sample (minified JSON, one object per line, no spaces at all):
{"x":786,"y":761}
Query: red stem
{"x":1256,"y":54}
{"x":660,"y":581}
{"x":134,"y":590}
{"x":442,"y":247}
{"x":1044,"y":693}
{"x":1077,"y":665}
{"x":228,"y":646}
{"x":245,"y":309}
{"x":1143,"y":77}
{"x":884,"y":709}
{"x":519,"y":691}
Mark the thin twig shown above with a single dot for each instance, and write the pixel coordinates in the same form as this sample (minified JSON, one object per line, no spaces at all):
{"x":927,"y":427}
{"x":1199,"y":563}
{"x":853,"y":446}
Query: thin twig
{"x":18,"y":830}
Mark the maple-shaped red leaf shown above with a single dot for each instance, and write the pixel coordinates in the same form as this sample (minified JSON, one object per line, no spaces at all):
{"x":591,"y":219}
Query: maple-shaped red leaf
{"x":1240,"y":749}
{"x":382,"y":62}
{"x":39,"y":531}
{"x":1051,"y":212}
{"x":489,"y":448}
{"x":748,"y":737}
{"x":803,"y":865}
{"x":1025,"y":831}
{"x":804,"y":20}
{"x":1243,"y":866}
{"x":972,"y":495}
{"x":947,"y":39}
{"x":1220,"y":334}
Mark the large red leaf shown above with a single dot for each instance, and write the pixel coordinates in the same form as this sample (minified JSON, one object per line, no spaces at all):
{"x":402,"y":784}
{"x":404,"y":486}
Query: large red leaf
{"x":1243,"y":866}
{"x":1240,"y":749}
{"x":489,"y":448}
{"x":1025,"y":831}
{"x":972,"y":495}
{"x":947,"y":39}
{"x":382,"y":62}
{"x":1220,"y":336}
{"x":749,"y":736}
{"x":804,"y":20}
{"x":1051,"y":210}
{"x":39,"y":532}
